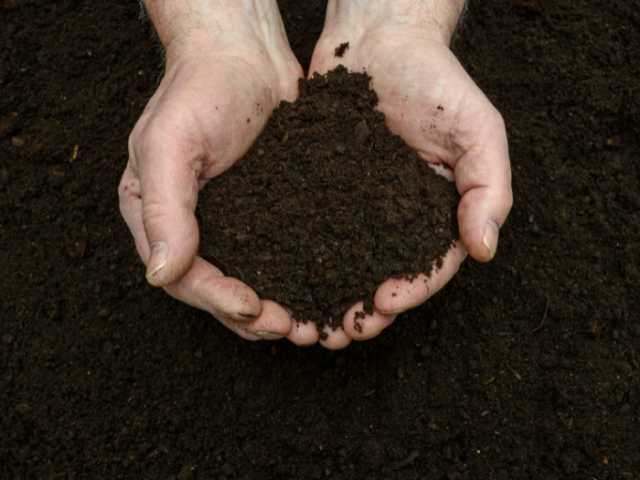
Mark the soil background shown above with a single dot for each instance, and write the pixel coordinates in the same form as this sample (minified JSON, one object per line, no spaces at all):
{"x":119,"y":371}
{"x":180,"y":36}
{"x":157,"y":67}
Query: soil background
{"x":527,"y":367}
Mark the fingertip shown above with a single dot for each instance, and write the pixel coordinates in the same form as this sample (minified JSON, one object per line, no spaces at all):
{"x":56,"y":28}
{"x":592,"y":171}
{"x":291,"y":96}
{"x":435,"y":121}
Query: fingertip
{"x":490,"y":239}
{"x":395,"y":296}
{"x":361,"y":326}
{"x":206,"y":288}
{"x":239,"y":328}
{"x":482,"y":243}
{"x":481,"y":214}
{"x":237,"y":300}
{"x":303,"y":334}
{"x":336,"y":339}
{"x":273,"y":323}
{"x":157,"y":273}
{"x":172,"y":251}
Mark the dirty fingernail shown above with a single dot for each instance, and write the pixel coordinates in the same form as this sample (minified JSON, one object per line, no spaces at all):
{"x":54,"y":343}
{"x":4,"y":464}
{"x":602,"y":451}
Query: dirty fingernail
{"x":491,"y":233}
{"x":269,"y":335}
{"x":159,"y":258}
{"x":243,"y":317}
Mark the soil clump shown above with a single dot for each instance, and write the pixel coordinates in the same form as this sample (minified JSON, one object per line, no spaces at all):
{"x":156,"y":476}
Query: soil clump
{"x":327,"y":204}
{"x":341,"y":49}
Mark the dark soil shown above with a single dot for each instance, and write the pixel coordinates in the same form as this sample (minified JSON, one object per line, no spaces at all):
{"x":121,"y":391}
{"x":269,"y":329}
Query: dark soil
{"x":341,"y":49}
{"x":328,"y":204}
{"x":524,"y":368}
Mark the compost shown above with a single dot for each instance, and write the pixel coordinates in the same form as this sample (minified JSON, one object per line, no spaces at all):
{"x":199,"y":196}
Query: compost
{"x":527,"y":367}
{"x":327,"y":204}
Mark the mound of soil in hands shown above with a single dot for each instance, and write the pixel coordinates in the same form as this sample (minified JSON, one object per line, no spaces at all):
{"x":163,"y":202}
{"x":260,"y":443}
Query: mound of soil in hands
{"x":328,"y":204}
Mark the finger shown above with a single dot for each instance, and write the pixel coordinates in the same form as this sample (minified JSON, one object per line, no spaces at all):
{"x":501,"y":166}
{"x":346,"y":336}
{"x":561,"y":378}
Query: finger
{"x":336,"y":339}
{"x":396,"y":296}
{"x":237,"y":327}
{"x":273,"y":323}
{"x":232,"y":303}
{"x":131,"y":208}
{"x":169,"y":191}
{"x":365,"y":328}
{"x":204,"y":287}
{"x":324,"y":61}
{"x":465,"y":131}
{"x":440,"y":168}
{"x":303,"y":334}
{"x":483,"y":178}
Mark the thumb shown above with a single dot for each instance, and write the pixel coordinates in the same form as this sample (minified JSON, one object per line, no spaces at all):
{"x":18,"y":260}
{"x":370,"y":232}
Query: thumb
{"x":483,"y":178}
{"x":169,"y":193}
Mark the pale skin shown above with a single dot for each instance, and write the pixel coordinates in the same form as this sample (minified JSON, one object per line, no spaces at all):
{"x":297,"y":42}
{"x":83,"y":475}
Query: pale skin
{"x":225,"y":57}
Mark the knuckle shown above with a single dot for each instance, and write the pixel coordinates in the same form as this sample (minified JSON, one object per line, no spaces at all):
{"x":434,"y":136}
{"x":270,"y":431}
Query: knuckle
{"x":498,"y":119}
{"x":155,"y":211}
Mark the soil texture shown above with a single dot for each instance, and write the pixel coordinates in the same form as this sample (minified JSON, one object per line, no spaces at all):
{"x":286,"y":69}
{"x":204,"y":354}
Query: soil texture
{"x":527,"y":367}
{"x":327,"y":204}
{"x":341,"y":49}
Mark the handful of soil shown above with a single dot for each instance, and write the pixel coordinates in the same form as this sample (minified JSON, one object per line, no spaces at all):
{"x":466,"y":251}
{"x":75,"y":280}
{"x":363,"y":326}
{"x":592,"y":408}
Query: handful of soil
{"x":327,"y":204}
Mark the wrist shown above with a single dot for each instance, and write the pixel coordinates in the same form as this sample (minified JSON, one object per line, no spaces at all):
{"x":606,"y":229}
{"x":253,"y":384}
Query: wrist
{"x":192,"y":27}
{"x":434,"y":19}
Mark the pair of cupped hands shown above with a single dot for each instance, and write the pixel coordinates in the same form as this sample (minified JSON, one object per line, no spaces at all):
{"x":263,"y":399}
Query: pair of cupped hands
{"x":230,"y":60}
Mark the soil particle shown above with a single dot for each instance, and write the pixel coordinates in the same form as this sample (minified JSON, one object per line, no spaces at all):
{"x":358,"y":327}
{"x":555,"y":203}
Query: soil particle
{"x":7,"y":338}
{"x":318,"y":229}
{"x":5,"y":176}
{"x":339,"y":52}
{"x":362,"y":132}
{"x":405,"y":462}
{"x":425,"y":352}
{"x":185,"y":473}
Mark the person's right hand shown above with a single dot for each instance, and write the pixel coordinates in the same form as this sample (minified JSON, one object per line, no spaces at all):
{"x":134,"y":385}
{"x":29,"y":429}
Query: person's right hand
{"x":228,"y":66}
{"x":435,"y":106}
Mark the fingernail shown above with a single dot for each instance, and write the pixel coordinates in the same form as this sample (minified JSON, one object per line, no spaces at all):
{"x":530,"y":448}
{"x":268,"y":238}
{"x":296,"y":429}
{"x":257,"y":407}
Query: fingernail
{"x":159,"y":258}
{"x":491,"y":233}
{"x":269,"y":335}
{"x":243,"y":317}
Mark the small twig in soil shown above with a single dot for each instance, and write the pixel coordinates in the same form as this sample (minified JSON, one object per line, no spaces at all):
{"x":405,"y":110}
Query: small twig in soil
{"x":404,"y":463}
{"x":514,"y":372}
{"x":543,"y":317}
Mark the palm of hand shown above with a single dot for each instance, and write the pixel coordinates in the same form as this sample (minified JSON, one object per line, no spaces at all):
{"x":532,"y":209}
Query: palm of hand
{"x":209,"y":111}
{"x":430,"y":101}
{"x":204,"y":116}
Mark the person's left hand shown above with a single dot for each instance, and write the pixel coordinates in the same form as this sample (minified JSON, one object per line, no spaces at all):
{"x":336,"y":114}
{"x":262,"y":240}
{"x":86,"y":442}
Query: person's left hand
{"x":433,"y":104}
